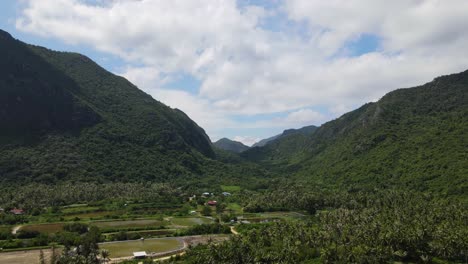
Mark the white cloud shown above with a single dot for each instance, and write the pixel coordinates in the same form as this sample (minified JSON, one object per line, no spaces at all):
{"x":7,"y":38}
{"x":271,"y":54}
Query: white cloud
{"x":304,"y":117}
{"x":246,"y":140}
{"x":246,"y":69}
{"x":200,"y":110}
{"x":145,"y":77}
{"x":404,"y":25}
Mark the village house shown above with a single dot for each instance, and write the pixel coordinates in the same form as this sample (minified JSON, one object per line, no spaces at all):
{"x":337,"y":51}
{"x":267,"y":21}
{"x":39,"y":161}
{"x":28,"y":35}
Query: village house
{"x":212,"y":203}
{"x":17,"y":211}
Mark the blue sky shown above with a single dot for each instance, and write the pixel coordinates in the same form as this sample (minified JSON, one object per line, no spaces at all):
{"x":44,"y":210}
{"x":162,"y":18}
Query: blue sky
{"x":249,"y":69}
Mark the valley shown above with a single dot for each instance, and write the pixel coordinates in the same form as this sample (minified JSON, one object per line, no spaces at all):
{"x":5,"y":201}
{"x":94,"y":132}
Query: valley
{"x":94,"y":170}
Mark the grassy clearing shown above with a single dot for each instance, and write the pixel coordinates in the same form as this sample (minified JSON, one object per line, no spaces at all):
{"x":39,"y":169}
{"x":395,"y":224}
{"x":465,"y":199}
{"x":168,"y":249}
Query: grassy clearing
{"x":75,"y":205}
{"x":190,"y":221}
{"x":125,"y":249}
{"x":234,"y":207}
{"x":287,"y":215}
{"x":230,"y":188}
{"x":129,"y":223}
{"x":44,"y":228}
{"x":249,"y":215}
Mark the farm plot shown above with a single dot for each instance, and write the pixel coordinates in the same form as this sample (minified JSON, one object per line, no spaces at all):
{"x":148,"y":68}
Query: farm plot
{"x":190,"y":221}
{"x":287,"y":215}
{"x":129,"y":224}
{"x":26,"y":256}
{"x":126,"y":248}
{"x":94,"y":215}
{"x":5,"y":229}
{"x":44,"y":228}
{"x":80,"y":209}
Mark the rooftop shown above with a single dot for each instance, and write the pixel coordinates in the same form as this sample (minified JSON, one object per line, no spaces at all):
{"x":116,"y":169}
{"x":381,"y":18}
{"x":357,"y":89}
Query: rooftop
{"x":139,"y":254}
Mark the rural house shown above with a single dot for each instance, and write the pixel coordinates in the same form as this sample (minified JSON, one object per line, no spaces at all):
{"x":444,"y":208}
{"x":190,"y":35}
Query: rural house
{"x":17,"y":211}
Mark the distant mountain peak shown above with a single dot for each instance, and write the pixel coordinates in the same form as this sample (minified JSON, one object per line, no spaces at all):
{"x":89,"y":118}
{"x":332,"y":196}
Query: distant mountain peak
{"x":230,"y":145}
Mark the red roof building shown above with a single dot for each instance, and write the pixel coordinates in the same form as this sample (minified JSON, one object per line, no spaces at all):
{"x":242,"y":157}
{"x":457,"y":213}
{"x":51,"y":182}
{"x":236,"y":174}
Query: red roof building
{"x":17,"y":211}
{"x":212,"y":203}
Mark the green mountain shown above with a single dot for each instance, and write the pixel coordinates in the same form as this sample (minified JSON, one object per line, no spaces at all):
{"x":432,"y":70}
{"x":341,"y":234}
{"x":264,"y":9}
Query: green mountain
{"x":415,"y":138}
{"x":63,"y":117}
{"x":230,"y":145}
{"x":304,"y":130}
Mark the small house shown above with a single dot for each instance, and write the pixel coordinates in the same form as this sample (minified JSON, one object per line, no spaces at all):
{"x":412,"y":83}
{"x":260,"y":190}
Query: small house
{"x":17,"y":211}
{"x":139,"y":255}
{"x":212,"y":203}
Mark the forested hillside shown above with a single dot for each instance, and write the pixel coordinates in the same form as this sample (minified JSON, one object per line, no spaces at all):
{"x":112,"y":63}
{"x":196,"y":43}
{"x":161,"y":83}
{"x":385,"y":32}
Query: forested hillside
{"x":230,"y":145}
{"x":63,"y":117}
{"x":307,"y":130}
{"x":414,"y":138}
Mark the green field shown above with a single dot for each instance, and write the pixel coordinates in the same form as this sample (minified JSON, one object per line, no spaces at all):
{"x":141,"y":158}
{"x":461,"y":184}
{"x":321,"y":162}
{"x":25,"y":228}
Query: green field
{"x":190,"y":221}
{"x":129,"y":224}
{"x":5,"y":228}
{"x":290,"y":215}
{"x":234,"y":207}
{"x":125,"y":249}
{"x":89,"y":215}
{"x":230,"y":188}
{"x":44,"y":228}
{"x":79,"y":209}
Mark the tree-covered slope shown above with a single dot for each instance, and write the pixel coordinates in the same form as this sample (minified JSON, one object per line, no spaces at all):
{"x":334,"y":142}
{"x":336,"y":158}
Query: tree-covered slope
{"x":415,"y":138}
{"x":230,"y":145}
{"x":63,"y":117}
{"x":307,"y":130}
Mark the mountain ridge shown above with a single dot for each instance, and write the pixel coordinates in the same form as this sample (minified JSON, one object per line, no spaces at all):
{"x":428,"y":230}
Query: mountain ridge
{"x":412,"y":137}
{"x":230,"y":145}
{"x":65,"y":103}
{"x":303,"y":130}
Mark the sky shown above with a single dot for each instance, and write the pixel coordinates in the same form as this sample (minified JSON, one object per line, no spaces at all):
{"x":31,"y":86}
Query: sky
{"x":248,"y":69}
